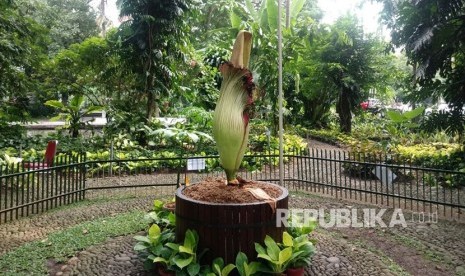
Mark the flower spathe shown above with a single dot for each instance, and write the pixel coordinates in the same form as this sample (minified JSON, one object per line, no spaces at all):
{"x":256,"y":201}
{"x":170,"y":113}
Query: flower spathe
{"x":232,"y":113}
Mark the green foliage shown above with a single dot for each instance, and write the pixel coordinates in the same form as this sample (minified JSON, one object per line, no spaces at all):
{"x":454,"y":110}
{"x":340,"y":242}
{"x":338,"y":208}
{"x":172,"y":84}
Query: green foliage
{"x":73,"y":113}
{"x":293,"y":252}
{"x":302,"y":228}
{"x":451,"y":122}
{"x":67,"y":22}
{"x":398,"y":117}
{"x":11,"y":135}
{"x":153,"y":247}
{"x":181,"y":135}
{"x":244,"y":267}
{"x":184,"y":260}
{"x":161,"y":216}
{"x":432,"y":34}
{"x":21,"y":47}
{"x":277,"y":257}
{"x":220,"y":269}
{"x":302,"y":249}
{"x":374,"y":137}
{"x":152,"y":43}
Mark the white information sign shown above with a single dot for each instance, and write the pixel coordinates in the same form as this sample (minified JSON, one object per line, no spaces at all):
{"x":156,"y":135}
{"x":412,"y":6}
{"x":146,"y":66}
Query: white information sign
{"x":196,"y":164}
{"x":384,"y":174}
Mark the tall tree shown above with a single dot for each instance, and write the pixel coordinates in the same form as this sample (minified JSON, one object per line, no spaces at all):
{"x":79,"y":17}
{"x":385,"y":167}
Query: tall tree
{"x":150,"y":39}
{"x":67,"y":21}
{"x":21,"y":46}
{"x":432,"y":33}
{"x":338,"y":69}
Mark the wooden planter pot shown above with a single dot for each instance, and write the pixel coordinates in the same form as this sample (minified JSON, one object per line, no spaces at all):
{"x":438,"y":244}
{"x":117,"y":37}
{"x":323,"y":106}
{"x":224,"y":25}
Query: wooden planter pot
{"x":225,"y":229}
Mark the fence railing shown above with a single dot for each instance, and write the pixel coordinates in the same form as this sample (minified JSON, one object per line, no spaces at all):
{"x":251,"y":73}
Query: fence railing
{"x":33,"y":189}
{"x":371,"y":179}
{"x":380,"y":179}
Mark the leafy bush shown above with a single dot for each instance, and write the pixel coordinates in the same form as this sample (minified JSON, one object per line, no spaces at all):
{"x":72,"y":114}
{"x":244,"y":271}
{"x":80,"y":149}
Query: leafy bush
{"x":159,"y":247}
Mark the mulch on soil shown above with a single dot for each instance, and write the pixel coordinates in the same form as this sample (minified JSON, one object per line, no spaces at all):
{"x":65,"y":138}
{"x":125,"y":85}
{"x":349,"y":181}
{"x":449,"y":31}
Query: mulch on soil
{"x":215,"y":190}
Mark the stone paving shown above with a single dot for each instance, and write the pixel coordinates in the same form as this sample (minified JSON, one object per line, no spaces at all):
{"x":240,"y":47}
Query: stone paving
{"x":418,"y":249}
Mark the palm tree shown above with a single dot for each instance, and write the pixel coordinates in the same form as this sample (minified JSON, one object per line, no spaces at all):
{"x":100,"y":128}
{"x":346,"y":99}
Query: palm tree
{"x":73,"y":112}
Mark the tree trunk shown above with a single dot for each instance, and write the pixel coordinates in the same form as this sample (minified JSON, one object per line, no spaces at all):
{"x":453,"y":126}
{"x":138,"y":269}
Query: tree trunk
{"x":151,"y":105}
{"x":343,"y":109}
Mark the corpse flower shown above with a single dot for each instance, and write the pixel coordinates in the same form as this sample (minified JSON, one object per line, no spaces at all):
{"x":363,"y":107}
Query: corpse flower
{"x":232,"y":113}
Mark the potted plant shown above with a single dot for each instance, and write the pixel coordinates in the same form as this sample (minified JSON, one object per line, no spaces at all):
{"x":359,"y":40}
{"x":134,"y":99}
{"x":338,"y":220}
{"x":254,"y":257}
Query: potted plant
{"x":153,"y":247}
{"x":217,"y":209}
{"x":302,"y":251}
{"x":276,"y":257}
{"x":182,"y":259}
{"x":287,"y":258}
{"x":302,"y":248}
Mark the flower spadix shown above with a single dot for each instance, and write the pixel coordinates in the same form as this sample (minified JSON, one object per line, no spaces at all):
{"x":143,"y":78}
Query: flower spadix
{"x":231,"y":117}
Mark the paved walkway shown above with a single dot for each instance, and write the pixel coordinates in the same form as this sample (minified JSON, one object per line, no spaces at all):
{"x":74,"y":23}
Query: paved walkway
{"x":419,"y":249}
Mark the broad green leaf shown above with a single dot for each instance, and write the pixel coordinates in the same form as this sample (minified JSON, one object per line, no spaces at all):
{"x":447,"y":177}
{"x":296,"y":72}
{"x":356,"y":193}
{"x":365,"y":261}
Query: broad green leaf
{"x":172,"y":218}
{"x":259,"y":248}
{"x":309,"y":227}
{"x":246,"y":269}
{"x":157,"y":205}
{"x":395,"y":116}
{"x":142,"y":239}
{"x":54,"y":103}
{"x":272,"y":14}
{"x":140,"y":246}
{"x":235,"y":19}
{"x":253,"y":268}
{"x":93,"y":108}
{"x":266,"y":257}
{"x":227,"y":269}
{"x":272,"y":249}
{"x":193,"y":269}
{"x":154,"y":231}
{"x":173,"y":246}
{"x":296,"y":7}
{"x":184,"y":249}
{"x":414,"y":113}
{"x":287,"y":239}
{"x":190,"y":240}
{"x":182,"y":262}
{"x":160,"y":260}
{"x":285,"y":255}
{"x":77,"y":100}
{"x":217,"y":264}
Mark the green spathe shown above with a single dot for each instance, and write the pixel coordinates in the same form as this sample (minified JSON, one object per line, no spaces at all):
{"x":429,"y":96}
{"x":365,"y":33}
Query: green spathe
{"x":231,"y":118}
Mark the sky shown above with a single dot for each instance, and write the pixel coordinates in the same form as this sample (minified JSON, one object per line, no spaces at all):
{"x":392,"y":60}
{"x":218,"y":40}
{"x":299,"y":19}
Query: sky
{"x":332,"y":9}
{"x":368,"y":13}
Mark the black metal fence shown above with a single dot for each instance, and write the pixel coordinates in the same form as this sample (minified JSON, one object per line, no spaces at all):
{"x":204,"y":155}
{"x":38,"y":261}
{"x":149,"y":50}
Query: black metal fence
{"x":30,"y":188}
{"x":379,"y":180}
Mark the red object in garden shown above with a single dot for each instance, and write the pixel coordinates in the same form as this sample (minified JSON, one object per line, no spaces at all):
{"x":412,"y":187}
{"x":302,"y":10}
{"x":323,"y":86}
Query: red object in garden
{"x":50,"y":153}
{"x":364,"y":105}
{"x":295,"y":271}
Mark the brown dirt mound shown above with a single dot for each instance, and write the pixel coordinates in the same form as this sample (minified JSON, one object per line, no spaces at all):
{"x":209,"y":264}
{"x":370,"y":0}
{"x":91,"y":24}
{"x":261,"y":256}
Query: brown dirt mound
{"x":215,"y":190}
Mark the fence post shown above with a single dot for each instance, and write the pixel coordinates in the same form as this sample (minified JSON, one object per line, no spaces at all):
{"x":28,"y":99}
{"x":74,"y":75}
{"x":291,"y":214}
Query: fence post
{"x":178,"y":180}
{"x":112,"y":155}
{"x":84,"y":174}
